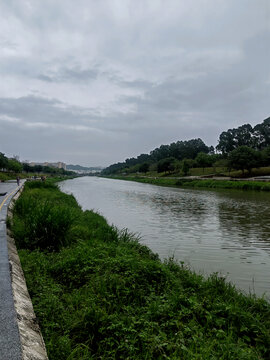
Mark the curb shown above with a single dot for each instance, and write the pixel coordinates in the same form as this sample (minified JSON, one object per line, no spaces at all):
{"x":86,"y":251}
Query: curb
{"x":32,"y":343}
{"x":10,"y":345}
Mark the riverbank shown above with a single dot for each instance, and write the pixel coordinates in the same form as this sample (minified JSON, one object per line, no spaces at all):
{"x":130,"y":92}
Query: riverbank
{"x":98,"y":293}
{"x":198,"y":182}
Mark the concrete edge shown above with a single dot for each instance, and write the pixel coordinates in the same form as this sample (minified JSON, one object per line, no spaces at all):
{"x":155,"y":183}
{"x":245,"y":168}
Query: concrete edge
{"x":32,"y":343}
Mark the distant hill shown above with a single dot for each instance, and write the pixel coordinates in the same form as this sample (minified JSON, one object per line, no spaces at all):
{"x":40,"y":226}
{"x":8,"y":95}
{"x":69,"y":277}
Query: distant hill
{"x":84,"y":168}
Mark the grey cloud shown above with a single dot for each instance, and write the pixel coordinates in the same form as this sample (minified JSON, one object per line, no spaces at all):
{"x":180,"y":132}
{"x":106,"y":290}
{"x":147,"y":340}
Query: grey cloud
{"x":45,"y":78}
{"x":37,"y":110}
{"x":114,"y":81}
{"x":73,"y":74}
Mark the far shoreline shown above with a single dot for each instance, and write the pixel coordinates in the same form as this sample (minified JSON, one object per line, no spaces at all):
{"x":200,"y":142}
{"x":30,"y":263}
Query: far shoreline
{"x":196,"y":182}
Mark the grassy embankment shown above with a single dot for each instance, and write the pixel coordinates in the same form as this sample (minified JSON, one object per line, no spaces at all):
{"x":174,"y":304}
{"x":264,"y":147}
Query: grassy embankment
{"x":199,"y":183}
{"x":219,"y":171}
{"x":5,"y":176}
{"x":99,"y":294}
{"x":214,"y":171}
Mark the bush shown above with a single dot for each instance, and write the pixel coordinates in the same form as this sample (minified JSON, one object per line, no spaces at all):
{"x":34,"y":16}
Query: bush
{"x":44,"y":217}
{"x":41,"y":185}
{"x":42,"y":225}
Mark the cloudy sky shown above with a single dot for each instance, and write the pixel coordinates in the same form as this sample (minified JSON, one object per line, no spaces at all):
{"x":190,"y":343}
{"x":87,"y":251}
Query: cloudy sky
{"x":96,"y":81}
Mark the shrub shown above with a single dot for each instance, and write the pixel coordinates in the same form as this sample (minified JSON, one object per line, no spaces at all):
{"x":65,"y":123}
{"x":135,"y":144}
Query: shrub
{"x":42,"y":225}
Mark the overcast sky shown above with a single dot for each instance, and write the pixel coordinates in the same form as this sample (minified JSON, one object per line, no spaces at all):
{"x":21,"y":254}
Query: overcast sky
{"x":93,"y":82}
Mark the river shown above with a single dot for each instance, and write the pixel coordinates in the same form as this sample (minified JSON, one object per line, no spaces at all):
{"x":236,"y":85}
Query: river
{"x":224,"y":231}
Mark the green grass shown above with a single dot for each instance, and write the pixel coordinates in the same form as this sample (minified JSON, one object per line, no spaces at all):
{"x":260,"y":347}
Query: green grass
{"x":207,"y":171}
{"x":4,"y":176}
{"x":225,"y":184}
{"x":101,"y":295}
{"x":218,"y":171}
{"x":234,"y":173}
{"x":200,"y":183}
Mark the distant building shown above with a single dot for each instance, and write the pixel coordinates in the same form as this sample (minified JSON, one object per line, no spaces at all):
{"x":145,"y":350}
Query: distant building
{"x":81,"y":172}
{"x":58,"y":165}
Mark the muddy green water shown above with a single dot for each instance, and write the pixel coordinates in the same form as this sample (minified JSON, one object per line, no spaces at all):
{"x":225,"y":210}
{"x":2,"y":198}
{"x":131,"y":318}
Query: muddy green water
{"x":225,"y":231}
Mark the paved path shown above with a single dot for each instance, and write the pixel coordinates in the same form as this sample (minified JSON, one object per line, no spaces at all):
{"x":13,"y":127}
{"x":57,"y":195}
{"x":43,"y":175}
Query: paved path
{"x":10,"y":348}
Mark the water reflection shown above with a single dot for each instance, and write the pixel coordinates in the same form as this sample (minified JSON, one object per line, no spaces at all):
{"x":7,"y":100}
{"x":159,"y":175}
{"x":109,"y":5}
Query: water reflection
{"x":244,"y":219}
{"x":213,"y":231}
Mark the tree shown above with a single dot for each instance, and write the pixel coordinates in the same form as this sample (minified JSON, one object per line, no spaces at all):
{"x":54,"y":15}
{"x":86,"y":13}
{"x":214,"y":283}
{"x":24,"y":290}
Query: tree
{"x":233,"y":138}
{"x":14,"y":165}
{"x":226,"y":142}
{"x":3,"y":161}
{"x":203,"y":160}
{"x":186,"y":166}
{"x":27,"y":168}
{"x":211,"y":150}
{"x":143,"y":158}
{"x":243,"y":135}
{"x":261,"y":135}
{"x":266,"y":156}
{"x":243,"y":158}
{"x":144,"y":167}
{"x":166,"y":165}
{"x":160,"y":153}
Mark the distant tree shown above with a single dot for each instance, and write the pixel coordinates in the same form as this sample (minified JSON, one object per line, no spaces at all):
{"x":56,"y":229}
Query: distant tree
{"x":114,"y":168}
{"x":243,"y":158}
{"x":14,"y":165}
{"x":143,"y":158}
{"x":27,"y":168}
{"x":226,"y":142}
{"x":3,"y":161}
{"x":38,"y":168}
{"x":243,"y":136}
{"x":233,"y":138}
{"x":261,"y":135}
{"x":166,"y":165}
{"x":186,"y":165}
{"x":131,"y":162}
{"x":179,"y":150}
{"x":160,"y":153}
{"x":266,"y":156}
{"x":144,"y":167}
{"x":203,"y":160}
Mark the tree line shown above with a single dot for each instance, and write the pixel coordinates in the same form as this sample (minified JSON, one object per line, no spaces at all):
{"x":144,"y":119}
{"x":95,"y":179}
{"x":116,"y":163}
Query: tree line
{"x":15,"y":166}
{"x":239,"y":148}
{"x":12,"y":164}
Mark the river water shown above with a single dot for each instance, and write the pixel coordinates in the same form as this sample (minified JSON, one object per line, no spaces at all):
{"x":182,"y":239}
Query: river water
{"x":225,"y":231}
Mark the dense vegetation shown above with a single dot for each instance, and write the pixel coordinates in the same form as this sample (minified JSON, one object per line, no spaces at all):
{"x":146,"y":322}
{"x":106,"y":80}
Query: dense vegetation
{"x":10,"y":164}
{"x":45,"y":170}
{"x":99,"y":294}
{"x":242,"y":149}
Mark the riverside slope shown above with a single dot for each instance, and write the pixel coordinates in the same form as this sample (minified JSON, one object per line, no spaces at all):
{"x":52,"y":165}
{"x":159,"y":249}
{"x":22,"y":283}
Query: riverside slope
{"x":100,"y":294}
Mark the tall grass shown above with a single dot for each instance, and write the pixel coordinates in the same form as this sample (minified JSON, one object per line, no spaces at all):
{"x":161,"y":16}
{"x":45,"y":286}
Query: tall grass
{"x":225,"y":184}
{"x":42,"y":220}
{"x":102,"y":295}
